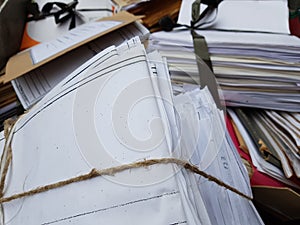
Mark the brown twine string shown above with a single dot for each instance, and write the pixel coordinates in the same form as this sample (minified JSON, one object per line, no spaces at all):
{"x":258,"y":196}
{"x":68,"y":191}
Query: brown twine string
{"x":109,"y":171}
{"x":113,"y":170}
{"x":7,"y":156}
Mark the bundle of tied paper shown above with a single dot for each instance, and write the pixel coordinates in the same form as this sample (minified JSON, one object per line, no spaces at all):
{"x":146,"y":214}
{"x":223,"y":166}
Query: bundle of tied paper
{"x":111,"y":144}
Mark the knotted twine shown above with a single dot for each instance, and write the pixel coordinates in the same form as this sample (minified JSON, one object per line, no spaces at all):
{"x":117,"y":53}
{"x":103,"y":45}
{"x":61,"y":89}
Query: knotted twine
{"x":7,"y":158}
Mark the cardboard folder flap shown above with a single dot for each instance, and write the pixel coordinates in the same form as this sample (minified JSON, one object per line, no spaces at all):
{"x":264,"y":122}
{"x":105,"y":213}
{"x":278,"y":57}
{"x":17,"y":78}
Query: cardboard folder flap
{"x":18,"y":64}
{"x":122,"y":16}
{"x":26,"y":61}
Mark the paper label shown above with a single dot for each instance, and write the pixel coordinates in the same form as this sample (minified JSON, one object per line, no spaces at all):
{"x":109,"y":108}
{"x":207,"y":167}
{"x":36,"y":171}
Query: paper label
{"x":47,"y":49}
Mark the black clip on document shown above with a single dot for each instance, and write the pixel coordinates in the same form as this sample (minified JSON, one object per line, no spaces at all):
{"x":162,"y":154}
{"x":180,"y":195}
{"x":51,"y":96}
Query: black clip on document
{"x":206,"y":75}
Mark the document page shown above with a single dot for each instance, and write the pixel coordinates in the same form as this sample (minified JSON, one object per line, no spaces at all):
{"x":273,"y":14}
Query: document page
{"x":47,"y":49}
{"x":32,"y":86}
{"x":239,"y":15}
{"x":207,"y":144}
{"x":108,"y":116}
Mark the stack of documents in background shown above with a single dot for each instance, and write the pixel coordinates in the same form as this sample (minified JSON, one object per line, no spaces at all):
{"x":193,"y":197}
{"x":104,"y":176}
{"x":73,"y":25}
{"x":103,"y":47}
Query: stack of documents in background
{"x":256,"y":69}
{"x":118,"y":108}
{"x":9,"y":103}
{"x":261,"y":75}
{"x":152,"y":10}
{"x":280,"y":199}
{"x":256,"y":64}
{"x":32,"y":86}
{"x":46,"y":29}
{"x":272,"y":140}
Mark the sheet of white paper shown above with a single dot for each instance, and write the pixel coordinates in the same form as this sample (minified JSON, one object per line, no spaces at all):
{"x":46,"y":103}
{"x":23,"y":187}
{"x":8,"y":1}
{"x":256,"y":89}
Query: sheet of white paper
{"x":288,"y":127}
{"x":45,"y":50}
{"x":245,"y":15}
{"x":287,"y":43}
{"x":261,"y":164}
{"x":205,"y":143}
{"x":2,"y":141}
{"x":86,"y":11}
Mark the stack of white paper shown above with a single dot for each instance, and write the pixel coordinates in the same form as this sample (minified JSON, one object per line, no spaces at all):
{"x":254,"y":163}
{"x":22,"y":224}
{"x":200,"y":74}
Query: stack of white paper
{"x":85,"y":11}
{"x":115,"y":109}
{"x":256,"y":64}
{"x":280,"y":130}
{"x":206,"y":141}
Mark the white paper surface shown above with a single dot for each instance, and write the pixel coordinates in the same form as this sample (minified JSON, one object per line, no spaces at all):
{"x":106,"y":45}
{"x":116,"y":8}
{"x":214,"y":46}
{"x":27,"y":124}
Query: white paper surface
{"x":107,"y":116}
{"x":255,"y":15}
{"x":45,"y":50}
{"x":209,"y":146}
{"x":260,"y":69}
{"x":47,"y":30}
